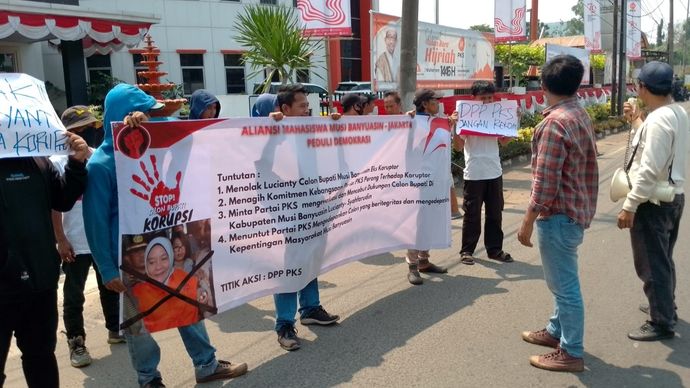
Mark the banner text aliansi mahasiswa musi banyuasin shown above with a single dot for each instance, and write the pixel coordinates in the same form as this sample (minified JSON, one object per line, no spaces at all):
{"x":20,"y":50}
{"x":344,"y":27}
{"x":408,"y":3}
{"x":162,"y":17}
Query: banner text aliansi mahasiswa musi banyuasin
{"x":220,"y":212}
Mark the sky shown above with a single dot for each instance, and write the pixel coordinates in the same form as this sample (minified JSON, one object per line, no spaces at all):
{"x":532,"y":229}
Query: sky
{"x":465,"y":13}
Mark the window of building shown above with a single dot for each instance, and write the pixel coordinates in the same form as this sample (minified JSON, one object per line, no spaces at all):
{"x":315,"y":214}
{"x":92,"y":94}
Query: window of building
{"x":234,"y":74}
{"x":302,"y":76}
{"x":98,"y":68}
{"x":192,"y":72}
{"x":136,"y":61}
{"x":351,"y":49}
{"x":8,"y":62}
{"x":271,"y":2}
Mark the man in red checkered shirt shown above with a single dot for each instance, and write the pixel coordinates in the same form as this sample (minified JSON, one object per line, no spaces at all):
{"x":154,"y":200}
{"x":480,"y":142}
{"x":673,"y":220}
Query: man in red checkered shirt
{"x":563,"y":202}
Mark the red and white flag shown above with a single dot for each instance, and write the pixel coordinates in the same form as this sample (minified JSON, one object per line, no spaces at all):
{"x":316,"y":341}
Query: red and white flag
{"x":592,"y":26}
{"x":633,"y":46}
{"x":325,"y":17}
{"x":510,"y":20}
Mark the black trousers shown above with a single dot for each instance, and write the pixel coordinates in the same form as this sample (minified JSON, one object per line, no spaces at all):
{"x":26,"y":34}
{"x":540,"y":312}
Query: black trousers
{"x":488,"y":192}
{"x":33,"y":319}
{"x":653,"y":236}
{"x":73,"y":289}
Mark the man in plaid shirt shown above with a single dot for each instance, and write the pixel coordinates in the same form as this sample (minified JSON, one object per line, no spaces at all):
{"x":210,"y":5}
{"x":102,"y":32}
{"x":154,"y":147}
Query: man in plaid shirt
{"x":563,"y":202}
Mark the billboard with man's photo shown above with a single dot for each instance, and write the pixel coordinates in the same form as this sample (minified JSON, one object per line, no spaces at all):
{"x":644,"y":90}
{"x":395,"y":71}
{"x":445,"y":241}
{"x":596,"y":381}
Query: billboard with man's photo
{"x":447,"y":58}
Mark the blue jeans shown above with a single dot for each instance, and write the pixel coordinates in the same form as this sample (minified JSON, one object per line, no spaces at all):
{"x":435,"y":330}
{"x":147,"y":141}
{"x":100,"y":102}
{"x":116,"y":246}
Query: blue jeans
{"x":559,"y":236}
{"x":145,"y":353}
{"x":286,"y":304}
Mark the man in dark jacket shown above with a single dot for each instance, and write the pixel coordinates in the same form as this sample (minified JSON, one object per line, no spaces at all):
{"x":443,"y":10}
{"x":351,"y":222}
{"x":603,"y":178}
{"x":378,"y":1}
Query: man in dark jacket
{"x":203,"y":105}
{"x":29,"y":261}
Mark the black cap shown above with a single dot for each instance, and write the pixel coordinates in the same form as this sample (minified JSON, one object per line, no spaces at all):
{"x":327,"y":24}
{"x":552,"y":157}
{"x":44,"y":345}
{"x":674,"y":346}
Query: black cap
{"x":658,"y":75}
{"x":425,"y":95}
{"x":350,"y":100}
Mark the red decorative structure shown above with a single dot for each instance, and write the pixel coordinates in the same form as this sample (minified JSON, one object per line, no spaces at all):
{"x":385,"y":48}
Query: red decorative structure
{"x":153,"y":86}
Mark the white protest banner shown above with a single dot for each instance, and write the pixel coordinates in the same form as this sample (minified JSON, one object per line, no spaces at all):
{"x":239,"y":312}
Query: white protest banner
{"x":553,"y":50}
{"x":592,"y":19}
{"x":220,"y":212}
{"x":633,"y":47}
{"x":29,"y":125}
{"x":447,"y":58}
{"x":510,"y":20}
{"x":494,"y":119}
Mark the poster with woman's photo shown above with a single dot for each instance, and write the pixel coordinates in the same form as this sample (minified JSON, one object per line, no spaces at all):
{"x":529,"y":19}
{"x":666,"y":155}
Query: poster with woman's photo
{"x":168,"y":274}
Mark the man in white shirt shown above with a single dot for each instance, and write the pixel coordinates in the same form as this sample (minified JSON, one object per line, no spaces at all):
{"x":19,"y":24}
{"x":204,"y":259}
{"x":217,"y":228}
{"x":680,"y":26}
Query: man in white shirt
{"x":660,"y":148}
{"x":483,"y":185}
{"x":76,"y":256}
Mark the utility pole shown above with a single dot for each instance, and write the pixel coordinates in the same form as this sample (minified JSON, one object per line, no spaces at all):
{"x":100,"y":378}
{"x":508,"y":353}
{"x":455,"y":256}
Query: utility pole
{"x":670,"y":35}
{"x":622,"y":78}
{"x":614,"y":60}
{"x":408,"y":51}
{"x":685,"y":36}
{"x":534,"y":21}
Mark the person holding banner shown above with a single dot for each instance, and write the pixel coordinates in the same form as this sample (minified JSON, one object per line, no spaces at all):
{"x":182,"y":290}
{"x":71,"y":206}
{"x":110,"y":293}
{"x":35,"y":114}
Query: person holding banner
{"x":30,"y":265}
{"x":292,"y":101}
{"x":483,"y":185}
{"x":563,"y":200}
{"x":426,"y":104}
{"x":203,"y":105}
{"x":353,"y":104}
{"x":130,"y":104}
{"x":76,"y":257}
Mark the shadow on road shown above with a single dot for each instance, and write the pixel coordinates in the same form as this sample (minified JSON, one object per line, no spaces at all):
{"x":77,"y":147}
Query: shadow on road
{"x":680,"y":345}
{"x":602,"y":374}
{"x":384,"y":259}
{"x":363,"y":339}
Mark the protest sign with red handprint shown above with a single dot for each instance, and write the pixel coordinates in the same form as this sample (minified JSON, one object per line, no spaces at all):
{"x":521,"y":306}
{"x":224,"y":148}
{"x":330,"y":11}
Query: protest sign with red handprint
{"x":161,"y":197}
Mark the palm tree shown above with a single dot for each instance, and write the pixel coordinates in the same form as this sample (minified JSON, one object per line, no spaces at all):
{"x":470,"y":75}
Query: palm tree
{"x":274,"y":41}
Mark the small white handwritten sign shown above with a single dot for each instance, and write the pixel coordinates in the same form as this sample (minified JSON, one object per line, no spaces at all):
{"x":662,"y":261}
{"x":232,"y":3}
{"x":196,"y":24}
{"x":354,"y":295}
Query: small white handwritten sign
{"x":493,"y":119}
{"x":29,"y":125}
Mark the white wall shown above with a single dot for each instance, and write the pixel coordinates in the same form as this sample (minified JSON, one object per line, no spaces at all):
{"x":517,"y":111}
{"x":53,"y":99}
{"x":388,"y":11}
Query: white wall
{"x":29,"y":59}
{"x":188,"y":24}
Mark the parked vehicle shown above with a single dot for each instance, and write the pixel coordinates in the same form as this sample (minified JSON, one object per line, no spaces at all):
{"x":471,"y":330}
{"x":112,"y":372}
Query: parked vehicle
{"x":311,"y":88}
{"x":362,"y":87}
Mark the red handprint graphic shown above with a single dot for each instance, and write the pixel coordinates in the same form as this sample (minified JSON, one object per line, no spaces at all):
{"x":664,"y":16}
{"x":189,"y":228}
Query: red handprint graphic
{"x":160,"y":197}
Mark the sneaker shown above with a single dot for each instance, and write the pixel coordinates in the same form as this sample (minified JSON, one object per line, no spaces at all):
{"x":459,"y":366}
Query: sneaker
{"x":541,"y":337}
{"x":426,"y":266}
{"x":287,"y":338}
{"x":225,"y":370}
{"x":558,"y":361}
{"x":115,"y":337}
{"x":157,"y":382}
{"x":78,"y":354}
{"x":319,"y":316}
{"x":456,"y":216}
{"x":651,"y":332}
{"x":413,"y":276}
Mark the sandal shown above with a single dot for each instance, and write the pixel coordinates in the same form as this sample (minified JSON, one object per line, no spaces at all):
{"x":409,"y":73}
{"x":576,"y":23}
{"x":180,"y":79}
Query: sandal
{"x":503,"y":257}
{"x":466,"y":258}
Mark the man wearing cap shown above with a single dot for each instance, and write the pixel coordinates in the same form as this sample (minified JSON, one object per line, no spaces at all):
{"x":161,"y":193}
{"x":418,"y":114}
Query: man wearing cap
{"x":353,"y":104}
{"x":76,"y":256}
{"x":129,"y":104}
{"x":661,"y":145}
{"x":426,"y":104}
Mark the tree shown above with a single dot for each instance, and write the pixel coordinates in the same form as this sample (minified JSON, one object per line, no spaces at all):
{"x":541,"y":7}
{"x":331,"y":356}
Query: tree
{"x":660,"y":35}
{"x":274,"y":41}
{"x":576,"y":25}
{"x":482,"y":28}
{"x":519,"y":57}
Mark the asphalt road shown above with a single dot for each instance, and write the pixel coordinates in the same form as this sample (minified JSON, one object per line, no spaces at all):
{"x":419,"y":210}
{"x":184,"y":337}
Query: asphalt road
{"x":457,"y":330}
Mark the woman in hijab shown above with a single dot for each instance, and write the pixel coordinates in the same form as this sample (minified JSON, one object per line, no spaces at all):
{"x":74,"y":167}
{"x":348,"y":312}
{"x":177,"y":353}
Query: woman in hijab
{"x":174,"y":312}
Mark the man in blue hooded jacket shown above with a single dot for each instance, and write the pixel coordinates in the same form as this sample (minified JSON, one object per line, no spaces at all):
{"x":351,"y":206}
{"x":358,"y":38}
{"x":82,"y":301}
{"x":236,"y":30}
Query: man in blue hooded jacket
{"x":129,"y":104}
{"x":203,"y":105}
